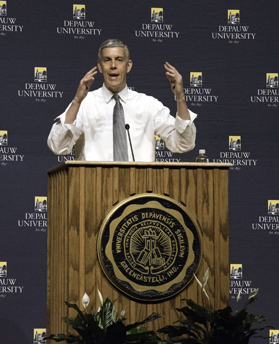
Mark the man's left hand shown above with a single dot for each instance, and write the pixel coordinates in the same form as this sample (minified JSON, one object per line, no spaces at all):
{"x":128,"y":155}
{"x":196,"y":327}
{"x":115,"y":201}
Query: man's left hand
{"x":175,"y":80}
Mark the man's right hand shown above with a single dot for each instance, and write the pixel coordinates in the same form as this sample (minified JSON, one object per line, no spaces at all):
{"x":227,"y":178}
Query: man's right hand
{"x":85,"y":84}
{"x":83,"y":89}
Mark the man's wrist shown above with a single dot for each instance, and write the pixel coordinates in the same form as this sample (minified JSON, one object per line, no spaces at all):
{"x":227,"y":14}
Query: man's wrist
{"x":180,"y":97}
{"x":76,"y":101}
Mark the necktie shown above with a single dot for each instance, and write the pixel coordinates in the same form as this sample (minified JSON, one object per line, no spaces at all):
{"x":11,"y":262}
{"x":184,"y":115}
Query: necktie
{"x":120,"y":148}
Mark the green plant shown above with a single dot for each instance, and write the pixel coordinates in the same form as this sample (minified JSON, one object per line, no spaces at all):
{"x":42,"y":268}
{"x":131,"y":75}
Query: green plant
{"x":223,"y":326}
{"x":105,"y":327}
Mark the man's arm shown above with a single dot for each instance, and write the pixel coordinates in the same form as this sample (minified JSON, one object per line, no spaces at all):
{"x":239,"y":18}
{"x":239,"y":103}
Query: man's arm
{"x":81,"y":93}
{"x":61,"y":139}
{"x":179,"y":133}
{"x":176,"y":82}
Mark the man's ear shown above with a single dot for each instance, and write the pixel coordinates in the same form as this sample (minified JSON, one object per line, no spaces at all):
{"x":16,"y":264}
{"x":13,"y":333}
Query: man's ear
{"x":100,"y":67}
{"x":129,"y":65}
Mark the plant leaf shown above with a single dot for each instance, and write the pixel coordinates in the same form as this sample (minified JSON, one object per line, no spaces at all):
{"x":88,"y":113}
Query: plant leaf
{"x":100,"y":297}
{"x":253,"y":293}
{"x":151,"y":317}
{"x":143,"y":337}
{"x":62,"y":337}
{"x":71,"y":305}
{"x":205,"y":278}
{"x":105,"y":314}
{"x":176,"y":331}
{"x":202,"y":287}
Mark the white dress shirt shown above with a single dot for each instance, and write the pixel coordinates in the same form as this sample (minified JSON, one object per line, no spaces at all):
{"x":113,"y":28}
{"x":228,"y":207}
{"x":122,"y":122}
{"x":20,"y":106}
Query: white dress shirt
{"x":92,"y":131}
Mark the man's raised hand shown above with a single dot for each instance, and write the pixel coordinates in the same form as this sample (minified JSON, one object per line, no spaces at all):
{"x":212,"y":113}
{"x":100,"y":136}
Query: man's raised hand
{"x":85,"y":84}
{"x":83,"y":89}
{"x":175,"y":80}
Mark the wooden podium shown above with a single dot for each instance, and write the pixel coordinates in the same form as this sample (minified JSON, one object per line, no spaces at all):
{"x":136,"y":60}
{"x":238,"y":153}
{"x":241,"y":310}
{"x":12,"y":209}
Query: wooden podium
{"x":80,"y":195}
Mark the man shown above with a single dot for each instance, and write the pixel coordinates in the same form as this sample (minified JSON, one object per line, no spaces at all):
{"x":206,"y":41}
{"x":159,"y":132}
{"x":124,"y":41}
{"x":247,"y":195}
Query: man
{"x":89,"y":121}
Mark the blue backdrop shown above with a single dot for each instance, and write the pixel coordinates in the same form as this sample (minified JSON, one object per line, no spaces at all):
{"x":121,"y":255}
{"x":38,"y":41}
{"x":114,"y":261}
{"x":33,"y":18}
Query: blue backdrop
{"x":227,"y":53}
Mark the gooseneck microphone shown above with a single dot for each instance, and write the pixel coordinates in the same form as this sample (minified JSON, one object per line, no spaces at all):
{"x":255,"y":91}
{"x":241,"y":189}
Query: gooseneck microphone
{"x":127,"y":127}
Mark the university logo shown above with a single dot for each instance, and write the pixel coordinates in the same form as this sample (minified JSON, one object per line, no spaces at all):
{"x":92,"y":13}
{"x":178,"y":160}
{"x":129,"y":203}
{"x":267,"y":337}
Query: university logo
{"x":196,"y":79}
{"x":3,"y":138}
{"x":3,"y":8}
{"x":233,"y":17}
{"x":41,"y":204}
{"x":3,"y":269}
{"x":78,"y":11}
{"x":235,"y":143}
{"x":273,"y":336}
{"x":7,"y":285}
{"x":196,"y":94}
{"x":239,"y":286}
{"x":236,"y":271}
{"x":149,"y":247}
{"x":7,"y":24}
{"x":156,"y":15}
{"x":39,"y":335}
{"x":7,"y":154}
{"x":270,"y":93}
{"x":269,"y":222}
{"x":233,"y":32}
{"x":272,"y":80}
{"x":235,"y":156}
{"x":40,"y":89}
{"x":38,"y":218}
{"x":156,"y":29}
{"x":78,"y":27}
{"x":162,"y":154}
{"x":159,"y":143}
{"x":273,"y":207}
{"x":40,"y":74}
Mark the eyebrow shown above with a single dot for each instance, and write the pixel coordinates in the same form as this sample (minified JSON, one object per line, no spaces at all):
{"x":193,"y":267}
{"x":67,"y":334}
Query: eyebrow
{"x":109,"y":57}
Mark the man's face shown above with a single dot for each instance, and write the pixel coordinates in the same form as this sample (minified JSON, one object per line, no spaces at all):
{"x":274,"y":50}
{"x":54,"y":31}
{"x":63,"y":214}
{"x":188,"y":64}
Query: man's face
{"x":114,"y":65}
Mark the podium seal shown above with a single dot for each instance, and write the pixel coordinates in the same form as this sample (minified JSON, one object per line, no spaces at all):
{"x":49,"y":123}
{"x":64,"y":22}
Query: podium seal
{"x":149,"y":247}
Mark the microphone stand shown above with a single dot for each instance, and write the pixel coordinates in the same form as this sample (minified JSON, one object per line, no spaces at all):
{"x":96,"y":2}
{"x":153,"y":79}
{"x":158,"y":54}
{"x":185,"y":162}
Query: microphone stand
{"x":127,"y":127}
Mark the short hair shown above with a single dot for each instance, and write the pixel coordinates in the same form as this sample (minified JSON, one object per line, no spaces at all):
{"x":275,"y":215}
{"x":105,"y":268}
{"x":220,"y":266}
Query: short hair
{"x":111,"y":43}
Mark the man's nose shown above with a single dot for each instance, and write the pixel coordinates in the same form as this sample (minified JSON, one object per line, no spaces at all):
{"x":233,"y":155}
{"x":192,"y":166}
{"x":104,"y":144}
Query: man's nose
{"x":113,"y":64}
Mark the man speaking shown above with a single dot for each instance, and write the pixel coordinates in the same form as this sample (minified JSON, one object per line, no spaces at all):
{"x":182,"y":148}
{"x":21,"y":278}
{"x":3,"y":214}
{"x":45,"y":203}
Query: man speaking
{"x":95,"y":121}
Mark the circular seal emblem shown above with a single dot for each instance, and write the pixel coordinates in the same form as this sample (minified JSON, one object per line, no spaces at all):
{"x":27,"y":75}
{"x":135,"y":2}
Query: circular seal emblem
{"x":149,"y":247}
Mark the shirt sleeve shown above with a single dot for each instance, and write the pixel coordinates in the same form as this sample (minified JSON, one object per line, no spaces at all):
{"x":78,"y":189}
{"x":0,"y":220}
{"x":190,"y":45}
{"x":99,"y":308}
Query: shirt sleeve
{"x":179,"y":135}
{"x":63,"y":137}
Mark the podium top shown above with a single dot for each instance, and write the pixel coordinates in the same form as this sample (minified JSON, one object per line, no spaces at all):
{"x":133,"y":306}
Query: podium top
{"x":79,"y":163}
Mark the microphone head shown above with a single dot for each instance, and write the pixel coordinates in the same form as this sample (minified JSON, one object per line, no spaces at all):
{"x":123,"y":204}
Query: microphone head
{"x":127,"y":127}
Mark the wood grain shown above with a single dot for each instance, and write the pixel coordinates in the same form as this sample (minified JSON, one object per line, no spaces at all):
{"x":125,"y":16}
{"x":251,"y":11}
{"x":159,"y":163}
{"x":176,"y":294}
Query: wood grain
{"x":81,"y":194}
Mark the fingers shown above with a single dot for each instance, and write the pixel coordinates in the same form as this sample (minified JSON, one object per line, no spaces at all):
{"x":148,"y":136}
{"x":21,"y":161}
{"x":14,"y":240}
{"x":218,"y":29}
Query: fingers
{"x":92,"y":71}
{"x":174,"y":78}
{"x":88,"y":79}
{"x":169,"y":67}
{"x":171,"y":71}
{"x":85,"y":84}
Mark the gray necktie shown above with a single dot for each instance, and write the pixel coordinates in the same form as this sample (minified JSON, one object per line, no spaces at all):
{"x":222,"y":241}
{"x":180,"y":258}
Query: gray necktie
{"x":120,"y":148}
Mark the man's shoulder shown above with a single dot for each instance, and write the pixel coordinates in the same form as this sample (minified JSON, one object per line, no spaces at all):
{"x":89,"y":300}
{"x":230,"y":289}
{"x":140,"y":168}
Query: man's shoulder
{"x":139,"y":95}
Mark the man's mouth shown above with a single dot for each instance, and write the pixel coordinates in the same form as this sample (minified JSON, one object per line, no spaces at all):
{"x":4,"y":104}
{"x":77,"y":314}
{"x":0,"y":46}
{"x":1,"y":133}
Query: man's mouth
{"x":113,"y":75}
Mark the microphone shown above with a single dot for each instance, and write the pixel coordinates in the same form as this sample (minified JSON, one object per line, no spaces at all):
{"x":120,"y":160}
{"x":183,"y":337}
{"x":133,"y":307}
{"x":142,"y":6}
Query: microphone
{"x":127,"y":127}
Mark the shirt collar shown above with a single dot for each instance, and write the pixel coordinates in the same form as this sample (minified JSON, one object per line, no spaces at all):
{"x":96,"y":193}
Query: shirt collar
{"x":107,"y":94}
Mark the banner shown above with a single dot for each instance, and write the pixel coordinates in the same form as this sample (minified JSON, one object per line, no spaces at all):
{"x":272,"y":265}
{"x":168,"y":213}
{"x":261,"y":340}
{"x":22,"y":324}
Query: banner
{"x":227,"y":53}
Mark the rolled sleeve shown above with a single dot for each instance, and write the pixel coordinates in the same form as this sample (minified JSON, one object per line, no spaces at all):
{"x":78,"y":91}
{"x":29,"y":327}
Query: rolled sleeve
{"x":181,"y":124}
{"x":63,"y":137}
